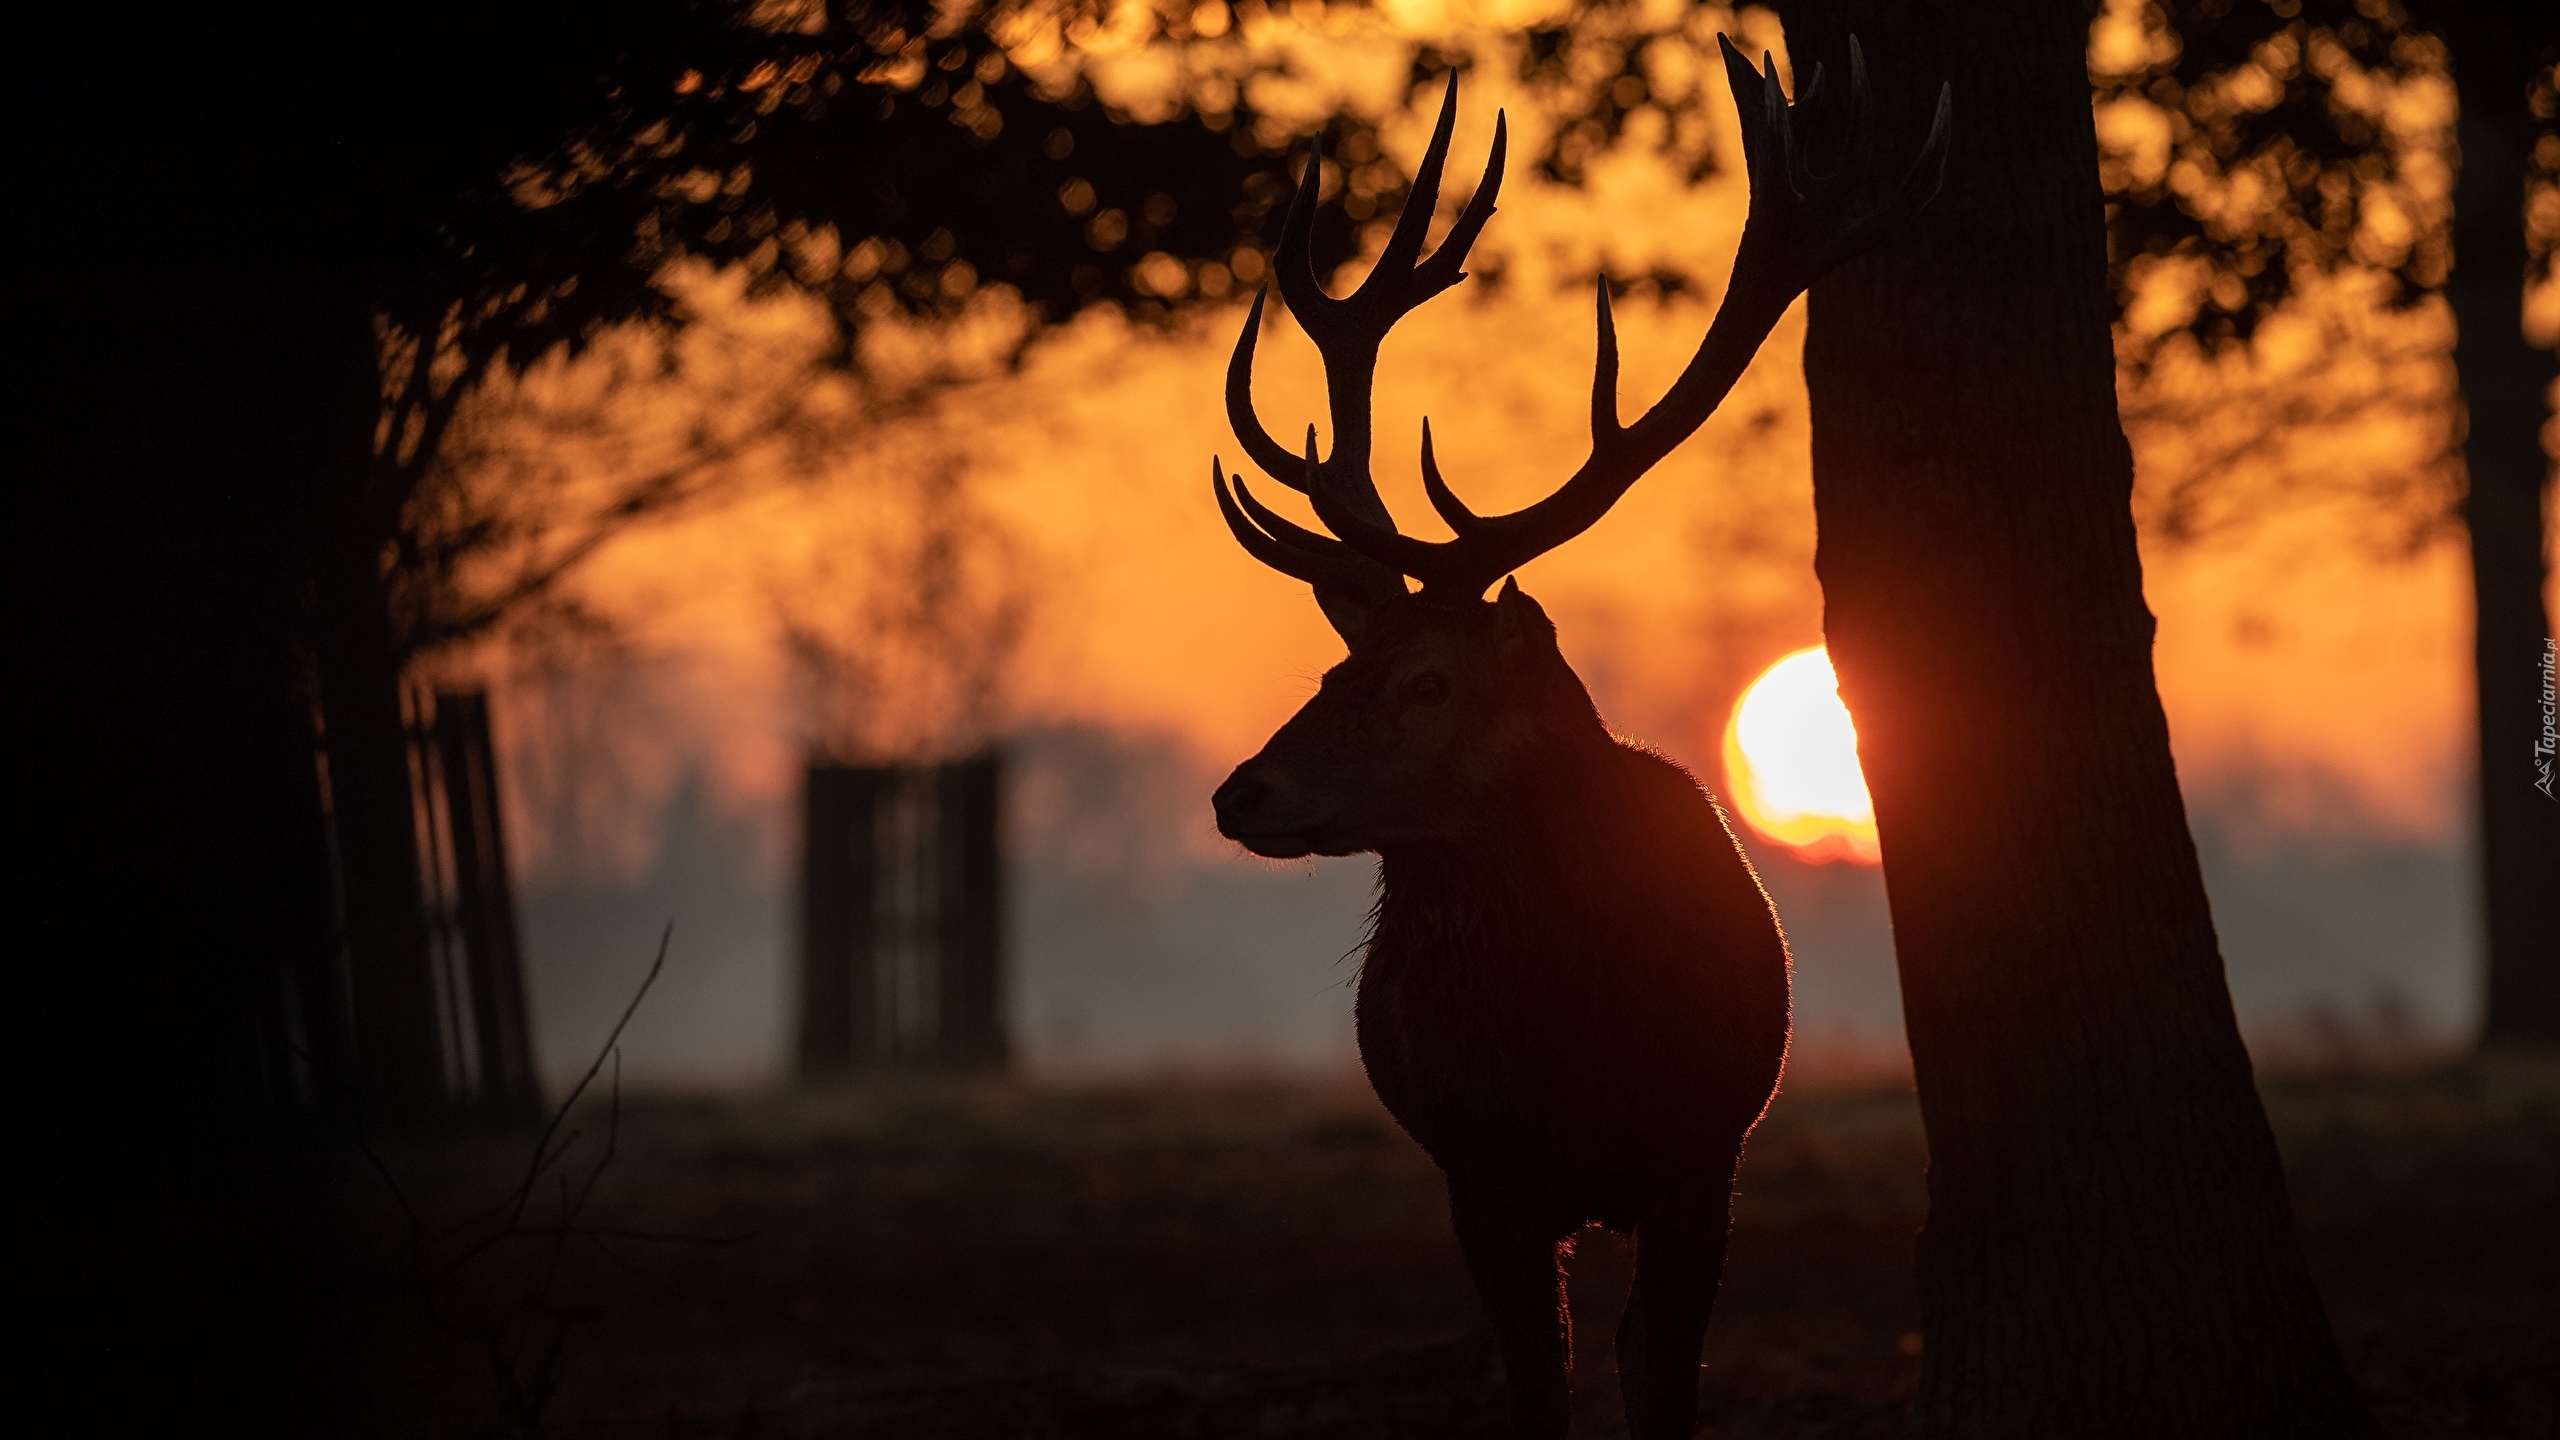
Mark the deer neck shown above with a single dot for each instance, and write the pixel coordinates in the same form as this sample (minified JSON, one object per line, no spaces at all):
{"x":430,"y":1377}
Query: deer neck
{"x":1522,"y":846}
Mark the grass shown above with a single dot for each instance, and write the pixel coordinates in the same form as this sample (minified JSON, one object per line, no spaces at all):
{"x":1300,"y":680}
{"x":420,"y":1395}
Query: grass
{"x":1212,"y":1258}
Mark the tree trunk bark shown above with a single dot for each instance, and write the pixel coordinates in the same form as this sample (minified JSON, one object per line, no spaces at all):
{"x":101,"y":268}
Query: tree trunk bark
{"x":2505,"y":384}
{"x":398,"y":1038}
{"x":2109,"y":1249}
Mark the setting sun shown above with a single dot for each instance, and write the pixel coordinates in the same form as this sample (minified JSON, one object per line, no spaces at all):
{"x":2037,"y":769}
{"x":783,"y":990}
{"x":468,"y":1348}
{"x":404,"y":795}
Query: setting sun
{"x":1791,"y":762}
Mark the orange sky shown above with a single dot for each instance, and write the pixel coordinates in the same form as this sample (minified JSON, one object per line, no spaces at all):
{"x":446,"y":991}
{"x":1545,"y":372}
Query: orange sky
{"x":2326,"y":687}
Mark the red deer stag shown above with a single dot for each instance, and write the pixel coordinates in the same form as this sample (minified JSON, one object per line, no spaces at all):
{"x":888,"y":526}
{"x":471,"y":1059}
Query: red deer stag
{"x":1575,"y":991}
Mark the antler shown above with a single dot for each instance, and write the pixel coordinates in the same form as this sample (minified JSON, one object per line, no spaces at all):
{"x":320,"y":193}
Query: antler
{"x":1801,"y":224}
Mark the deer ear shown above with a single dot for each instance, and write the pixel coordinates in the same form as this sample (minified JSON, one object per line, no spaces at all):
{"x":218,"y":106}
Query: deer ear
{"x":1347,"y":612}
{"x":1518,"y":621}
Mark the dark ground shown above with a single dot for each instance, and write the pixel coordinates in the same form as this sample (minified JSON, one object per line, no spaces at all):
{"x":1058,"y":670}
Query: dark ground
{"x":1263,"y":1259}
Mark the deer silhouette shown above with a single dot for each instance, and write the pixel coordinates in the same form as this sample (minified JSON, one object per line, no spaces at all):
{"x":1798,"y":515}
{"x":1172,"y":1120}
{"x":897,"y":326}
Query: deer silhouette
{"x":1574,"y":993}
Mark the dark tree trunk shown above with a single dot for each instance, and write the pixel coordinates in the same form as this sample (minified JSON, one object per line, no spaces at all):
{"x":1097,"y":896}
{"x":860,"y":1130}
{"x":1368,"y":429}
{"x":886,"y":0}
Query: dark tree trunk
{"x":371,"y":796}
{"x":2109,"y":1250}
{"x":969,"y":937}
{"x":180,"y":986}
{"x":507,"y":1089}
{"x":2496,"y":52}
{"x":839,"y":917}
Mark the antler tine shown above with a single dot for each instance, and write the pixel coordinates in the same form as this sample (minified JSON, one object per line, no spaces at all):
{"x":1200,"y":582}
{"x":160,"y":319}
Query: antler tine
{"x":1442,"y":270}
{"x":1280,"y":527}
{"x":1809,"y":94}
{"x":1859,"y":148}
{"x":1791,"y":238}
{"x":1768,"y":141}
{"x":1347,"y":333}
{"x":1405,"y":244}
{"x":1918,"y":186}
{"x":1297,"y":552}
{"x":1778,"y":135}
{"x":1293,"y":264}
{"x":1443,"y":499}
{"x":1300,"y":564}
{"x":1743,"y":78}
{"x":1395,"y":284}
{"x":1604,"y":376}
{"x":1270,"y":454}
{"x":1382,"y":543}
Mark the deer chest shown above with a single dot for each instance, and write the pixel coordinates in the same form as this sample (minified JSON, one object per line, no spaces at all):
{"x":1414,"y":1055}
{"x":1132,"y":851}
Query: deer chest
{"x":1485,"y":1065}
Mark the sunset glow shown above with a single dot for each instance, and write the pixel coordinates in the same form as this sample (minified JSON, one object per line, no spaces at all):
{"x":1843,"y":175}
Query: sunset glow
{"x":1791,"y":763}
{"x":2311,"y":690}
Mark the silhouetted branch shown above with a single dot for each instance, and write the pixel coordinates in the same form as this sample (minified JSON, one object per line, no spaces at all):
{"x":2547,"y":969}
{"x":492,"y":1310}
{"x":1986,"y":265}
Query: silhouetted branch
{"x":526,"y":1342}
{"x":543,"y":1156}
{"x":657,"y":494}
{"x":2223,"y":448}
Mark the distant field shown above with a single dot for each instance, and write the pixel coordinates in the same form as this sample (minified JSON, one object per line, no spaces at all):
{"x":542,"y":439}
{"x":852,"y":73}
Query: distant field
{"x":1217,"y":1258}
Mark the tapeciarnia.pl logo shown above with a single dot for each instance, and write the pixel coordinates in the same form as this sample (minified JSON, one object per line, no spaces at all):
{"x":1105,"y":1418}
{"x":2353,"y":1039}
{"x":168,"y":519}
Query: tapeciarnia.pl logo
{"x":2548,"y":743}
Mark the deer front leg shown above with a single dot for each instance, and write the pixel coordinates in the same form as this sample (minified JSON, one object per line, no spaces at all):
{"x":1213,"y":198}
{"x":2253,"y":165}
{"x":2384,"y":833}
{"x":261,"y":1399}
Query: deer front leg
{"x":1679,"y":1259}
{"x":1512,"y":1259}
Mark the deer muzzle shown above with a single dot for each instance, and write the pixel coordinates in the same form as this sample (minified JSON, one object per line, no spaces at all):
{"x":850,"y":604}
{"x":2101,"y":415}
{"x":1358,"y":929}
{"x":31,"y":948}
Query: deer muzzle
{"x":1258,"y":811}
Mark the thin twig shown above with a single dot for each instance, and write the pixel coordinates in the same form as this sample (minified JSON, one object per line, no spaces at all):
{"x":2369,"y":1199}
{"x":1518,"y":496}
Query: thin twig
{"x":543,"y":1157}
{"x":530,"y":1338}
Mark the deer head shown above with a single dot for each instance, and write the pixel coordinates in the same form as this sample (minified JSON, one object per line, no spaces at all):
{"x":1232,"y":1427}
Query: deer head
{"x":1444,"y":694}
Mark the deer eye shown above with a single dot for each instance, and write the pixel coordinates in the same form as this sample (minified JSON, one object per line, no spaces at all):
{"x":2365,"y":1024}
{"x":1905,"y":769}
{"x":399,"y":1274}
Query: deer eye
{"x":1427,"y":688}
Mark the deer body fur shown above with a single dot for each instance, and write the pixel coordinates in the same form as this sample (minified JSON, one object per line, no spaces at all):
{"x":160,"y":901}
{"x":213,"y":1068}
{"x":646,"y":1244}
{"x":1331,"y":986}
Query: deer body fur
{"x":1575,"y":991}
{"x":1585,"y":1007}
{"x":1580,"y":1021}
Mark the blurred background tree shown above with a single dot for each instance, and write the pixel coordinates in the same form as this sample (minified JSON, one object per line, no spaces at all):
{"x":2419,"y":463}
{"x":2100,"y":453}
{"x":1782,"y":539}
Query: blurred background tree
{"x":903,"y":629}
{"x":2303,"y":165}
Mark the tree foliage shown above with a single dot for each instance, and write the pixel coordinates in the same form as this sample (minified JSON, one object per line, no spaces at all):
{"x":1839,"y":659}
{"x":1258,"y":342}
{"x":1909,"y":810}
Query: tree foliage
{"x":2282,"y":177}
{"x":2254,"y":145}
{"x":783,"y":138}
{"x":886,"y":157}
